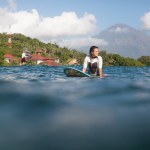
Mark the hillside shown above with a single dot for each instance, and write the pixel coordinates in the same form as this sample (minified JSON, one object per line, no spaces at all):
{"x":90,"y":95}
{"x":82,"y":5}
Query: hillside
{"x":19,"y":42}
{"x":64,"y":55}
{"x":126,"y":41}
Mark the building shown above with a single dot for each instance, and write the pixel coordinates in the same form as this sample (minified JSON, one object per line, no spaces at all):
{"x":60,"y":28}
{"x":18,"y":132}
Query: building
{"x":50,"y":62}
{"x":73,"y":62}
{"x":9,"y":58}
{"x":43,"y":60}
{"x":57,"y":60}
{"x":9,"y":40}
{"x":38,"y":51}
{"x":37,"y":58}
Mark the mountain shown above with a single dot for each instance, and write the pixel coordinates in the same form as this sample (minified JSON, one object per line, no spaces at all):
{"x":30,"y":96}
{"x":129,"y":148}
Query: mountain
{"x":125,"y":40}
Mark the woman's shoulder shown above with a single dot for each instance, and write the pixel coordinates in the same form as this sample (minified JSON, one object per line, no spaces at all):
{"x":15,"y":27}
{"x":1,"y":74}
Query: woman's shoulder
{"x":87,"y":57}
{"x":100,"y":57}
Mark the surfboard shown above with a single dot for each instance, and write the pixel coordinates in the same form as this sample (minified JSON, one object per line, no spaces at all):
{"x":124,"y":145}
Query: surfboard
{"x":73,"y":72}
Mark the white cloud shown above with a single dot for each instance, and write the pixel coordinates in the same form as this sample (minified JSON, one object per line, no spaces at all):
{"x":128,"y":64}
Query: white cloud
{"x":6,"y":19}
{"x":44,"y":28}
{"x":12,"y":4}
{"x":81,"y":42}
{"x":146,"y":21}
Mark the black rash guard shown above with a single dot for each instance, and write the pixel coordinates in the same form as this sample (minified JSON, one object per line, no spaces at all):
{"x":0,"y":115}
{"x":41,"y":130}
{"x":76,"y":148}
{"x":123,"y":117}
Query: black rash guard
{"x":93,"y":64}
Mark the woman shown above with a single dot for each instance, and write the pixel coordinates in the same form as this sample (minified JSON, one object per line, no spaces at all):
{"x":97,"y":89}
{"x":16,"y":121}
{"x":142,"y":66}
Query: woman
{"x":93,"y":62}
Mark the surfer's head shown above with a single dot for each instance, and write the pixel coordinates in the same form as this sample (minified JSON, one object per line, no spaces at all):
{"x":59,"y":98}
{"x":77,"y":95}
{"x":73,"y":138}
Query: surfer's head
{"x":94,"y":51}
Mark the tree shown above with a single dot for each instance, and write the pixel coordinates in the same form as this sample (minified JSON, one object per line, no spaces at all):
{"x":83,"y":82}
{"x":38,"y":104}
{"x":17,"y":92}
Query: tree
{"x":145,"y":60}
{"x":1,"y":58}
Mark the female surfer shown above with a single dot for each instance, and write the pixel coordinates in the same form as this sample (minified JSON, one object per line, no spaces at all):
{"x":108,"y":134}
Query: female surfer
{"x":93,"y":62}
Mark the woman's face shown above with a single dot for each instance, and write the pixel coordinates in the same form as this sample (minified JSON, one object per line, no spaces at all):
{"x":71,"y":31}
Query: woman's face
{"x":95,"y":52}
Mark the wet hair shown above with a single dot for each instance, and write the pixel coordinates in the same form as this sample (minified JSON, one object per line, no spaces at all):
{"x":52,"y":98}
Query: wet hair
{"x":92,"y":49}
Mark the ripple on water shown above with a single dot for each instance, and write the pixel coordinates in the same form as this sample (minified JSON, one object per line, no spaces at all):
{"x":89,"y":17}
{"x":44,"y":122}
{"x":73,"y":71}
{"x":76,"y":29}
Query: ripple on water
{"x":41,"y":107}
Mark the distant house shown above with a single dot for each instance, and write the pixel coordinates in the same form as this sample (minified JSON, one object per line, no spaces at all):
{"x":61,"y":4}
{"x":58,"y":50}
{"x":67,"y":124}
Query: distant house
{"x":38,"y":51}
{"x":73,"y":62}
{"x":44,"y":60}
{"x":57,"y":60}
{"x":50,"y":62}
{"x":36,"y":57}
{"x":9,"y":58}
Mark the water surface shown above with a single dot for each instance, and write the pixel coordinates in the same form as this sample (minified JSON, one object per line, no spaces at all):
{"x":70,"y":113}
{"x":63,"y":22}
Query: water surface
{"x":41,"y":108}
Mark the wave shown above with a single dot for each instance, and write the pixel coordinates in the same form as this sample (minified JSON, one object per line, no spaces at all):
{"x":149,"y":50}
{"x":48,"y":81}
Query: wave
{"x":74,"y":113}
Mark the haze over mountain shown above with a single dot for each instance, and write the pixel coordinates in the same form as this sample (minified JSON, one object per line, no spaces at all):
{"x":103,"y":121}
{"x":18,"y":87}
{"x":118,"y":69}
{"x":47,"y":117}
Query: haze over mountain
{"x":125,"y":40}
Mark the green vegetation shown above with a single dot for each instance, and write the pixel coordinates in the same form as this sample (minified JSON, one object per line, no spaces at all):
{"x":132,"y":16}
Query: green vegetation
{"x":145,"y":60}
{"x":117,"y":60}
{"x":54,"y":51}
{"x":1,"y":58}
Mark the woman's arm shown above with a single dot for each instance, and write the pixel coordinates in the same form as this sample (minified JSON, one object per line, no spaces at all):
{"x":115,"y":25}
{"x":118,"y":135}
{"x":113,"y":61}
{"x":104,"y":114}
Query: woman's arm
{"x":84,"y":70}
{"x":100,"y":64}
{"x":85,"y":64}
{"x":100,"y":72}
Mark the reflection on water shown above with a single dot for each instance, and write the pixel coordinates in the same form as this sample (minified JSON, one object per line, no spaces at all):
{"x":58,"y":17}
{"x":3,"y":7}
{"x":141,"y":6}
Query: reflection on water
{"x":40,"y":108}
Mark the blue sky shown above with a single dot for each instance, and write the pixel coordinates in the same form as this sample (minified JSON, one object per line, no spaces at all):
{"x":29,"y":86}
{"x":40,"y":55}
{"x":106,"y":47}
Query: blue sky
{"x":94,"y":15}
{"x":107,"y":12}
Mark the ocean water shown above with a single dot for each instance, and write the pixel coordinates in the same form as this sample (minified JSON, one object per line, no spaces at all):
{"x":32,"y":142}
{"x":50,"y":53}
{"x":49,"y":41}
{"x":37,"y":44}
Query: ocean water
{"x":42,"y":109}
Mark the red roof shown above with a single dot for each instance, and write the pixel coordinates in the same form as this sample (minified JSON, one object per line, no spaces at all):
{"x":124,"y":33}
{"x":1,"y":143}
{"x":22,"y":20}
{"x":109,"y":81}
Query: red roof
{"x":36,"y":57}
{"x":9,"y":56}
{"x":51,"y":63}
{"x":48,"y":58}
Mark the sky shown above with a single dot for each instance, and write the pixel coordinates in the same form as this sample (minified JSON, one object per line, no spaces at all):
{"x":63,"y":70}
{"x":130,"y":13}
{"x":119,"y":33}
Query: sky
{"x":71,"y":23}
